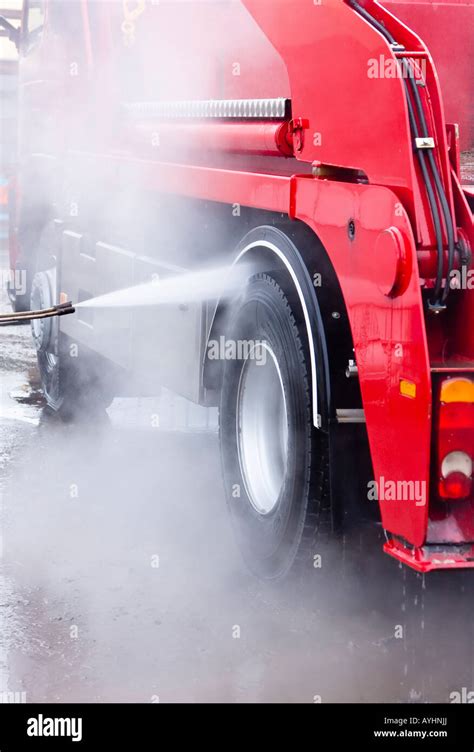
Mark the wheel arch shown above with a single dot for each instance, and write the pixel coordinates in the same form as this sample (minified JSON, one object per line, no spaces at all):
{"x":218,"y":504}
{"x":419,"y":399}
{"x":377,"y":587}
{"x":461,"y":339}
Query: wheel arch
{"x":271,"y":248}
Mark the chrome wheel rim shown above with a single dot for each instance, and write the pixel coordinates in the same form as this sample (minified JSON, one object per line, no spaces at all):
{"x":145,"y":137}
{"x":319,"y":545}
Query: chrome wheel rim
{"x":42,"y":297}
{"x":45,"y":333}
{"x":262,"y":428}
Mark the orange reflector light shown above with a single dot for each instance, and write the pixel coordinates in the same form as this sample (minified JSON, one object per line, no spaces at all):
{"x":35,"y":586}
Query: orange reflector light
{"x":63,"y":298}
{"x":457,"y":390}
{"x":407,"y":388}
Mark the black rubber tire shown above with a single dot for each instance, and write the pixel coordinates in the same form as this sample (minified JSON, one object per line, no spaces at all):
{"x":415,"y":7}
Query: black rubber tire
{"x":71,"y":385}
{"x":270,"y":543}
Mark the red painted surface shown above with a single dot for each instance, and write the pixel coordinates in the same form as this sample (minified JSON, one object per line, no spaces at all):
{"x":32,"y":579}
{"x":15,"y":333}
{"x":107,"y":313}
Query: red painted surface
{"x":425,"y":560}
{"x":264,"y":139}
{"x":399,"y":427}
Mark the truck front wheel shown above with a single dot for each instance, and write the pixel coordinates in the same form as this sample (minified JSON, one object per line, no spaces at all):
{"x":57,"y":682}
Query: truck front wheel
{"x":274,"y":461}
{"x":69,"y":379}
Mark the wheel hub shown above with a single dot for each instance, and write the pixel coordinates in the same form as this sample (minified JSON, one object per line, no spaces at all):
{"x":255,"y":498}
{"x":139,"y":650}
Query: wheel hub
{"x":42,"y":297}
{"x":262,"y":428}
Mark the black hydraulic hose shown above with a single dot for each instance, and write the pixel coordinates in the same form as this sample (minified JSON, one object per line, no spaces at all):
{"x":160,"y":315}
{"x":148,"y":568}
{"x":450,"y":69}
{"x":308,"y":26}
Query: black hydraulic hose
{"x":373,"y":21}
{"x":421,"y":159}
{"x":429,"y":188}
{"x":439,"y":186}
{"x":431,"y":200}
{"x":448,"y":222}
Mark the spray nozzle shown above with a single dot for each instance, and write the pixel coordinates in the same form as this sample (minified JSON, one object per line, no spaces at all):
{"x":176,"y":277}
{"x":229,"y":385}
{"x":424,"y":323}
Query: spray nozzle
{"x":61,"y":309}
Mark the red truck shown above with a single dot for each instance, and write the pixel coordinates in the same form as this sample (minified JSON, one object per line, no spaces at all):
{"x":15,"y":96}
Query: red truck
{"x":303,"y":144}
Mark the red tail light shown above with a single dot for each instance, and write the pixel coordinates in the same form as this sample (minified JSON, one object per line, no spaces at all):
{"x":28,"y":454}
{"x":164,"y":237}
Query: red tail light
{"x":456,"y":438}
{"x":455,"y":486}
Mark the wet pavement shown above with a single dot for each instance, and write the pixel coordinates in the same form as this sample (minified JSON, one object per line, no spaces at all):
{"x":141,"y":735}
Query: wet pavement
{"x":120,"y":581}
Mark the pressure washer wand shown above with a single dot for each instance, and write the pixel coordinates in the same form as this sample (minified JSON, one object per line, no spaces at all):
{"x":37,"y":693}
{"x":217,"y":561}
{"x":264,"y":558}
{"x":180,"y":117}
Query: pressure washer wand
{"x":61,"y":309}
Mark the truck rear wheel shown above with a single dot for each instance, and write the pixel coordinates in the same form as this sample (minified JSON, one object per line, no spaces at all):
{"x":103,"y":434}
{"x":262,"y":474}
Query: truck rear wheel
{"x":70,"y":386}
{"x":274,"y":461}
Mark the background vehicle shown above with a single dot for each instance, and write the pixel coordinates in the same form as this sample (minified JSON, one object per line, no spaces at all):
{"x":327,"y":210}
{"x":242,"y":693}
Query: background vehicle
{"x":308,"y":143}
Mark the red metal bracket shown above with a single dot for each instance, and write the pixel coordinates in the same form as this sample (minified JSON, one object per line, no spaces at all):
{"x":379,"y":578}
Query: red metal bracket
{"x":296,"y":129}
